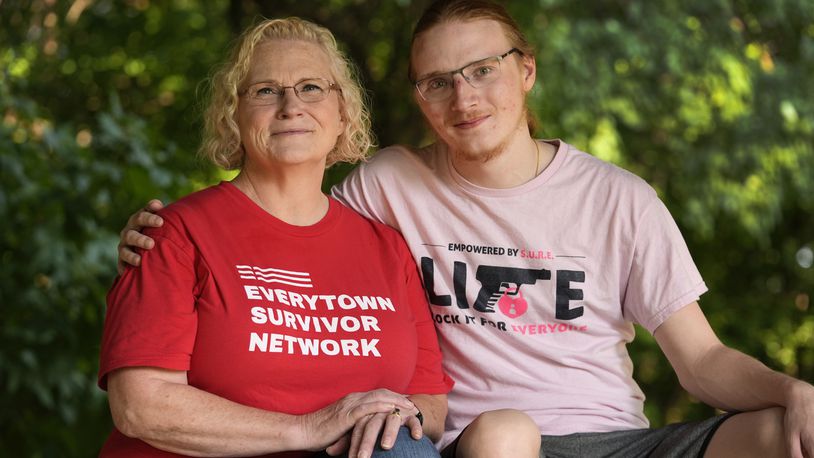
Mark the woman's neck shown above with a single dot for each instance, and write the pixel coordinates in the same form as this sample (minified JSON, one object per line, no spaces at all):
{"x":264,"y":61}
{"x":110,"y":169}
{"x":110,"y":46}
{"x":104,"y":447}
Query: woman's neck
{"x":295,"y":198}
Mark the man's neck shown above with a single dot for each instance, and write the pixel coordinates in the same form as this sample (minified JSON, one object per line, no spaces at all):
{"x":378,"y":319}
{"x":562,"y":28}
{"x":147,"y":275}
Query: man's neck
{"x":515,"y":164}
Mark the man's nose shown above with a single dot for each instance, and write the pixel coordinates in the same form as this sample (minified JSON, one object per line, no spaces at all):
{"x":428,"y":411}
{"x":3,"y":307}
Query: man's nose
{"x":462,"y":92}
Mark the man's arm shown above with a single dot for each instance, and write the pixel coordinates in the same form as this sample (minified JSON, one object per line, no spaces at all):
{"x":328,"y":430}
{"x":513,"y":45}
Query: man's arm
{"x":434,"y":409}
{"x":730,"y":380}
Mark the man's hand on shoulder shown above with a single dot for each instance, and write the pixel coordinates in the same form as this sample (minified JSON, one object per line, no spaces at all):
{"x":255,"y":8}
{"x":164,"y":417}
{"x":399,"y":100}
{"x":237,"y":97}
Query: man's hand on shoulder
{"x":132,"y":238}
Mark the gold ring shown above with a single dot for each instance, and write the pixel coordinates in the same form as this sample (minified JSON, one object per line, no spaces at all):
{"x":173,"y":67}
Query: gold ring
{"x":396,"y":412}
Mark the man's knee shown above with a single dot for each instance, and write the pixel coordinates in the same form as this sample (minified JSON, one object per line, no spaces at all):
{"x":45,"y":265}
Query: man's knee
{"x":756,"y":433}
{"x":499,"y":433}
{"x":770,"y":430}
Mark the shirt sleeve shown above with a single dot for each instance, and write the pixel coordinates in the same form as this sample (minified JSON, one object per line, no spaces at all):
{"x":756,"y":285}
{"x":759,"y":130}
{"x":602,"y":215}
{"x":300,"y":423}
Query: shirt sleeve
{"x":663,"y":276}
{"x":429,"y":376}
{"x":360,"y":191}
{"x":151,"y":318}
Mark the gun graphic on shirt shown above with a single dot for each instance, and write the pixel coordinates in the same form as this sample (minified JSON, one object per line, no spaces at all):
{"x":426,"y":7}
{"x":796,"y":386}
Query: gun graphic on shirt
{"x":497,"y":281}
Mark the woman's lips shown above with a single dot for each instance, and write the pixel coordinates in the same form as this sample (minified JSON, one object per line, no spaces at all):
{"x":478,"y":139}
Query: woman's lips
{"x":291,"y":132}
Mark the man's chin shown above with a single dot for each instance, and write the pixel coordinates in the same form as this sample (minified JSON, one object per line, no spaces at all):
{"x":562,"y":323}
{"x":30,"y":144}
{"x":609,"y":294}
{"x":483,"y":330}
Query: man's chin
{"x":477,"y":154}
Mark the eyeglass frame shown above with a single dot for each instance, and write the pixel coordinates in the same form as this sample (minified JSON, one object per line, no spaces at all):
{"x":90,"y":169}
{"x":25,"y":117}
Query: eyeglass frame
{"x":331,"y":87}
{"x":452,"y":73}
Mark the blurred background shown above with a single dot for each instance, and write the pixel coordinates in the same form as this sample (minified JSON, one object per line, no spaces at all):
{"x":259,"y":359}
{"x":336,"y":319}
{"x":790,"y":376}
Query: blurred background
{"x":711,"y":101}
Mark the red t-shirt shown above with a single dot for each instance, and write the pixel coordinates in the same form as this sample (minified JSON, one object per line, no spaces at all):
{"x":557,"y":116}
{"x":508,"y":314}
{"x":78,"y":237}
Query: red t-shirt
{"x":279,"y":317}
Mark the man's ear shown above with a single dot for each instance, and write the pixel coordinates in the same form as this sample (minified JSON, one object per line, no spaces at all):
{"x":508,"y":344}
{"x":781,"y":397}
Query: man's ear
{"x":529,"y":65}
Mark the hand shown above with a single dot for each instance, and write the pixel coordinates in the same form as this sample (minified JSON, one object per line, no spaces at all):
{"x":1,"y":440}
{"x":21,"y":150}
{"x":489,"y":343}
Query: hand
{"x":799,"y":421}
{"x":327,"y":427}
{"x":363,"y":438}
{"x":131,"y":236}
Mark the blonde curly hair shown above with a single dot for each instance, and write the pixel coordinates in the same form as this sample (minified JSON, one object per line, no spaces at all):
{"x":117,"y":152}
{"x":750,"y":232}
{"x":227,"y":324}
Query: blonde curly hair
{"x":221,"y":138}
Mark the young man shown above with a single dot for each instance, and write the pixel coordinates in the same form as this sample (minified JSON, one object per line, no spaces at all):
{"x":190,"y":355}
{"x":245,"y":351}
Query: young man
{"x":537,"y":258}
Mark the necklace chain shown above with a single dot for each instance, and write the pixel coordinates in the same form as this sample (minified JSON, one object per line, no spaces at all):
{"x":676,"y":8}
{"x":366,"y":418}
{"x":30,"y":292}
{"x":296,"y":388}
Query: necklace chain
{"x":262,"y":203}
{"x":256,"y":194}
{"x":537,"y":164}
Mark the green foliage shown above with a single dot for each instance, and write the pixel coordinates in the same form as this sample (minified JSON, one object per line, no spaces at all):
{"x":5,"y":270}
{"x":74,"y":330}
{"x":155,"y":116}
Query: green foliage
{"x":710,"y":101}
{"x":94,"y":123}
{"x":57,"y":208}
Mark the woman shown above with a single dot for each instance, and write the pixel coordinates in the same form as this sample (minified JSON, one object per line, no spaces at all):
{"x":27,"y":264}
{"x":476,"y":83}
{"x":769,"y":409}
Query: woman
{"x":264,"y":303}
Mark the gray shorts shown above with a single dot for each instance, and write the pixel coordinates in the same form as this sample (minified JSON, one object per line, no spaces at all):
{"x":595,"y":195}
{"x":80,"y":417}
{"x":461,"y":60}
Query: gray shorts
{"x":678,"y":440}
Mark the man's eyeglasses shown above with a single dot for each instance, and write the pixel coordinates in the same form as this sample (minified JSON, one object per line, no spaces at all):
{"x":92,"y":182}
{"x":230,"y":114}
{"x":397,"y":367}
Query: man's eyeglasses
{"x":484,"y":72}
{"x":308,"y":90}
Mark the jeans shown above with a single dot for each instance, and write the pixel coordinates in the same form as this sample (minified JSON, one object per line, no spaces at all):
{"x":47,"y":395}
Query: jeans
{"x":405,"y":447}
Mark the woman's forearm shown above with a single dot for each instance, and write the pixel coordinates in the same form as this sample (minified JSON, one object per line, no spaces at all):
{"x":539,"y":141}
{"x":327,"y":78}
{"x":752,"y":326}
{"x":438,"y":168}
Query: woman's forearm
{"x":173,"y":416}
{"x":160,"y":408}
{"x":433,"y":408}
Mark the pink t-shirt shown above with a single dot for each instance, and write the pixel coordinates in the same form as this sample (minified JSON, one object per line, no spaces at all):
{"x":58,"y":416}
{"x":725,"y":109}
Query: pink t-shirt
{"x":270,"y":315}
{"x":534,"y":289}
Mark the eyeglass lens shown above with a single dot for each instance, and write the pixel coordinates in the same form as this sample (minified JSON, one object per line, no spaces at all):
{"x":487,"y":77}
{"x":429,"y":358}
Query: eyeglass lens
{"x":477,"y":74}
{"x":269,"y":93}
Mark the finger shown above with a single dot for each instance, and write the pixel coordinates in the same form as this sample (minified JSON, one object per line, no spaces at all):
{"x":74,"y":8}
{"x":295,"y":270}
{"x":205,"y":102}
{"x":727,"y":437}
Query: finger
{"x":370,"y":434}
{"x":154,"y":205}
{"x":416,"y":430}
{"x":133,"y":222}
{"x":128,"y":256}
{"x":803,"y":447}
{"x":339,"y":447}
{"x":406,"y":404}
{"x":402,"y":402}
{"x":141,"y":219}
{"x":399,"y":400}
{"x":793,"y":444}
{"x":147,"y":219}
{"x":391,"y":429}
{"x":369,"y":408}
{"x":134,"y":239}
{"x":356,"y":436}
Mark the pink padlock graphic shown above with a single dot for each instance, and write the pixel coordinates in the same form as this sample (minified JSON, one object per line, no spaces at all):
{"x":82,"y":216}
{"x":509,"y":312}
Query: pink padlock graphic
{"x":512,"y":303}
